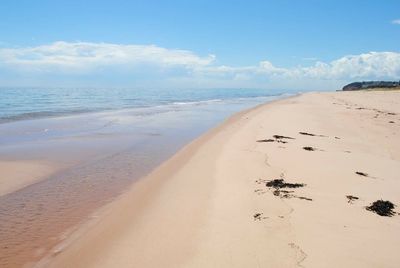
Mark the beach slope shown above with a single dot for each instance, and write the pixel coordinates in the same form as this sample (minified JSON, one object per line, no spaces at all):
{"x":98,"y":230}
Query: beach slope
{"x":285,"y":184}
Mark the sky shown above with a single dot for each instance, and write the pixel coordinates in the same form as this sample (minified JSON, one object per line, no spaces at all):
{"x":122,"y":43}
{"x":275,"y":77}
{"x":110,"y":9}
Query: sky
{"x":309,"y":44}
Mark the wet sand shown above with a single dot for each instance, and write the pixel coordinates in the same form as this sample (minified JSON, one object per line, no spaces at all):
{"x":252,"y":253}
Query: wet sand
{"x":58,"y":173}
{"x":213,"y":203}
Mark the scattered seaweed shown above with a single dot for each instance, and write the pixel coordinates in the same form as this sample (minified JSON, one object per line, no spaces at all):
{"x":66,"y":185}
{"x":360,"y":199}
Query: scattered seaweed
{"x":382,"y":208}
{"x":337,"y":138}
{"x":303,"y":198}
{"x":280,"y":183}
{"x":391,"y":113}
{"x":307,"y":134}
{"x":391,"y":122}
{"x":309,"y":148}
{"x":279,"y":137}
{"x":311,"y":134}
{"x":288,"y":194}
{"x":362,"y":173}
{"x":266,"y":140}
{"x":257,"y":216}
{"x":351,"y":198}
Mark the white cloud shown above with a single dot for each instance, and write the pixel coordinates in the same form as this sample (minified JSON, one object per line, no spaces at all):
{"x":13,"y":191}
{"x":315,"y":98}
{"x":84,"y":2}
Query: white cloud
{"x":372,"y":65}
{"x":396,"y":21}
{"x":369,"y":65}
{"x":85,"y":56}
{"x":114,"y":60}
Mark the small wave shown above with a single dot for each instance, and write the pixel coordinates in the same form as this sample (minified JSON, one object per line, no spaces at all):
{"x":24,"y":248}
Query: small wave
{"x":40,"y":114}
{"x":27,"y":106}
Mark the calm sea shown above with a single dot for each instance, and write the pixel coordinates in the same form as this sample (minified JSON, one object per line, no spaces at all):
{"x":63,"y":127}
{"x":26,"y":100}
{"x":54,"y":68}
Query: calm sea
{"x":30,"y":103}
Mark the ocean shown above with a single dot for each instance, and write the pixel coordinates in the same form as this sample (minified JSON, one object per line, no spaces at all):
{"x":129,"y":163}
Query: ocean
{"x":31,"y":103}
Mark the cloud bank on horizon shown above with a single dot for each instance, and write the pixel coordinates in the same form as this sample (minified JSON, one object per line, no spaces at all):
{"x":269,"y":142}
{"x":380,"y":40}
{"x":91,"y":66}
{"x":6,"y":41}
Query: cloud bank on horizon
{"x":154,"y":66}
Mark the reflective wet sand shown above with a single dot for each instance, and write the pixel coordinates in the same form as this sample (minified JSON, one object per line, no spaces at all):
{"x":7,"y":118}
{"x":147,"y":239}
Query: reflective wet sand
{"x":103,"y":155}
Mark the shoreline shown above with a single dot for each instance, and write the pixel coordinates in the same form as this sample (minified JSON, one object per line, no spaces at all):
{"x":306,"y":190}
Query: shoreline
{"x":93,"y":165}
{"x":169,"y":166}
{"x":202,"y":202}
{"x":38,"y":128}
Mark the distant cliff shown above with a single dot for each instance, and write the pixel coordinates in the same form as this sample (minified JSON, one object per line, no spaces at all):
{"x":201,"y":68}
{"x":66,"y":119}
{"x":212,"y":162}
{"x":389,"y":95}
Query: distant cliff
{"x":371,"y":85}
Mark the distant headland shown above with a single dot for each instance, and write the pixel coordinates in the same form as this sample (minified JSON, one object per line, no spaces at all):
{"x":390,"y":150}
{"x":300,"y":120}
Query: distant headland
{"x":372,"y":85}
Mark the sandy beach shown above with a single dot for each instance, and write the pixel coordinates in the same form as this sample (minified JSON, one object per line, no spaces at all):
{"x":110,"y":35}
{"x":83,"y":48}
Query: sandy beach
{"x":210,"y":206}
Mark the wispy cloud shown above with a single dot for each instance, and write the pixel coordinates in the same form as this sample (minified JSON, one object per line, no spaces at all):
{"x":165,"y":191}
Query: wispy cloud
{"x":396,"y":21}
{"x":84,"y":58}
{"x":364,"y":66}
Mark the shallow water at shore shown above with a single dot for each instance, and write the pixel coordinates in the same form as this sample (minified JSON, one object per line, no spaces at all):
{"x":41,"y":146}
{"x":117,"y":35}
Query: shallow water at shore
{"x":101,"y":155}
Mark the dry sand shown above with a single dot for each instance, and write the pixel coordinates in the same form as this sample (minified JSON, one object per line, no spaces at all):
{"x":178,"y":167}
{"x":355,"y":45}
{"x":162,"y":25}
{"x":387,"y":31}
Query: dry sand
{"x":208,"y":206}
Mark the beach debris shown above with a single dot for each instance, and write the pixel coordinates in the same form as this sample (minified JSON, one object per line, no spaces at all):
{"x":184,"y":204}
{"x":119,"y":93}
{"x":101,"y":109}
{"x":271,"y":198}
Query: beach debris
{"x":351,"y":198}
{"x":391,"y":113}
{"x":311,"y":134}
{"x":280,"y":183}
{"x":307,"y":134}
{"x":257,"y":216}
{"x":362,"y":173}
{"x":303,"y":198}
{"x":382,"y":208}
{"x":266,"y":140}
{"x":279,"y":137}
{"x":337,"y":138}
{"x":309,"y":148}
{"x":276,"y":138}
{"x":391,"y":122}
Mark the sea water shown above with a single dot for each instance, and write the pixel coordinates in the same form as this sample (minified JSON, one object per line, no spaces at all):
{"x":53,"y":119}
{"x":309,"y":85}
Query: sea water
{"x":36,"y":102}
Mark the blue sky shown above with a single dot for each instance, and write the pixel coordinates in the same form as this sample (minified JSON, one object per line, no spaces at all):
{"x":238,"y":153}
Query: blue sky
{"x":264,"y":44}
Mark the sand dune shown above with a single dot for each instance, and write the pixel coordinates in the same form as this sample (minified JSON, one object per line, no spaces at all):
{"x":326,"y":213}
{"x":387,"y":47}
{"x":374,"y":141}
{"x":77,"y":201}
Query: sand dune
{"x":209,"y":205}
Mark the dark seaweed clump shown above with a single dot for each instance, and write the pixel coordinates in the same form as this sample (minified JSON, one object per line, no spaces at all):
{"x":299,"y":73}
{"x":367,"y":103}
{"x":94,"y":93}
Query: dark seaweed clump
{"x":309,"y":148}
{"x":280,"y":183}
{"x":361,"y":173}
{"x":382,"y":208}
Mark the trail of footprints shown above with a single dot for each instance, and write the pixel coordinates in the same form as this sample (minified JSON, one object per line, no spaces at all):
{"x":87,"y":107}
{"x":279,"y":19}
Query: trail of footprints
{"x":378,"y":113}
{"x":282,"y":189}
